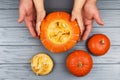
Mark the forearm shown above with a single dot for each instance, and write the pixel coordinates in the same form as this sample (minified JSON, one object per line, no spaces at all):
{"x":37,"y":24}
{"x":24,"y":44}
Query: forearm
{"x":78,"y":4}
{"x":39,"y":5}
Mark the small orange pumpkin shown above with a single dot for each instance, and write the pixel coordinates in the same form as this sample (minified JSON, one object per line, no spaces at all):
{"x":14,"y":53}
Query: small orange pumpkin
{"x":99,"y":44}
{"x":58,"y":33}
{"x":79,"y":63}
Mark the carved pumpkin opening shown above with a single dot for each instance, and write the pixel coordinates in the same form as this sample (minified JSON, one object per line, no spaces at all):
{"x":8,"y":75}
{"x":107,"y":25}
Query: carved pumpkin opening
{"x":59,"y":32}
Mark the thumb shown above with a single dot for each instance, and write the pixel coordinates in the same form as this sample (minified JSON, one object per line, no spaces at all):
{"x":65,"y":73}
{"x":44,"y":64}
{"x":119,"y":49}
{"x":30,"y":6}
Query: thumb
{"x":38,"y":23}
{"x":40,"y":17}
{"x":98,"y":19}
{"x":38,"y":27}
{"x":21,"y":15}
{"x":72,"y":18}
{"x":81,"y":24}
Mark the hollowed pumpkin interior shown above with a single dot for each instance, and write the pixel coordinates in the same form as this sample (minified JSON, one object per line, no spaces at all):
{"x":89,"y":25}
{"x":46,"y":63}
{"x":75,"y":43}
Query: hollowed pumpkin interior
{"x":41,"y":64}
{"x":59,"y":32}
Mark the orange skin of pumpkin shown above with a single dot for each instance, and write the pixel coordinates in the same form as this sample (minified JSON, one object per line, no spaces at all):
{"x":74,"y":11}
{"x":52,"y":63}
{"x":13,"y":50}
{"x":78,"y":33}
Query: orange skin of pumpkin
{"x":75,"y":32}
{"x":99,"y":44}
{"x":79,"y":63}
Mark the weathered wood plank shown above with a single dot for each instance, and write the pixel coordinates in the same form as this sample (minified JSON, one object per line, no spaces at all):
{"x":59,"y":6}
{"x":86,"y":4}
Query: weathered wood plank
{"x":8,"y":18}
{"x":9,"y":4}
{"x":21,"y":36}
{"x":108,"y":4}
{"x":17,"y":46}
{"x":63,"y":4}
{"x":67,"y":4}
{"x":22,"y":54}
{"x":23,"y":72}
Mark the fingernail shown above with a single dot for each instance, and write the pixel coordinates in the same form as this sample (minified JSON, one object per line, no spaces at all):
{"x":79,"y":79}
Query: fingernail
{"x":72,"y":19}
{"x":18,"y":21}
{"x":34,"y":35}
{"x":102,"y":24}
{"x":83,"y":39}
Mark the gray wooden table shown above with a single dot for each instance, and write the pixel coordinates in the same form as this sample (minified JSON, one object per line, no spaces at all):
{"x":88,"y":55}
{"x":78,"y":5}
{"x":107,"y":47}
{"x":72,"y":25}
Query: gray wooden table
{"x":17,"y":46}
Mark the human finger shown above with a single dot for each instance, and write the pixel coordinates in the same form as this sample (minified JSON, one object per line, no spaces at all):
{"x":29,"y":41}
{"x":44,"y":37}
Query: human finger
{"x":80,"y":23}
{"x":87,"y":30}
{"x":30,"y":27}
{"x":21,"y":14}
{"x":97,"y":18}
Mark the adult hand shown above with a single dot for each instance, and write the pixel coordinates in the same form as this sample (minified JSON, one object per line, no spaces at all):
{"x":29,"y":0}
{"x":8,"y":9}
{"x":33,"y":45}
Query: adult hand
{"x":27,"y":14}
{"x":90,"y":13}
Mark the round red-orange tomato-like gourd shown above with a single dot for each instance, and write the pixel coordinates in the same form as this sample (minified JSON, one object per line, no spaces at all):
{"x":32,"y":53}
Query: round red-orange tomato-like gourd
{"x":58,"y":33}
{"x":79,"y":63}
{"x":99,"y":44}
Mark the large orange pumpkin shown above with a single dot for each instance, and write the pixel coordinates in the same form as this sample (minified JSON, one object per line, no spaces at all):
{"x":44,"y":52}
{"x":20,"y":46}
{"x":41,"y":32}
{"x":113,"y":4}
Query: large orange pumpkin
{"x":79,"y":63}
{"x":99,"y":44}
{"x":58,"y":33}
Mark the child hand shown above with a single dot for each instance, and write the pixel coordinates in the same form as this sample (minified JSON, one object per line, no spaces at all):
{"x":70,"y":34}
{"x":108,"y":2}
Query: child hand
{"x":39,"y":5}
{"x":27,"y":14}
{"x":77,"y":15}
{"x":90,"y":13}
{"x":40,"y":17}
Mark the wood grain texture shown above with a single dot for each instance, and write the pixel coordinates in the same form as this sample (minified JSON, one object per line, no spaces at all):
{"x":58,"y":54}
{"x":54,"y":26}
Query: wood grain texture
{"x":23,"y":72}
{"x":17,"y":46}
{"x":8,"y":18}
{"x":23,"y":54}
{"x":21,"y":36}
{"x":61,"y":4}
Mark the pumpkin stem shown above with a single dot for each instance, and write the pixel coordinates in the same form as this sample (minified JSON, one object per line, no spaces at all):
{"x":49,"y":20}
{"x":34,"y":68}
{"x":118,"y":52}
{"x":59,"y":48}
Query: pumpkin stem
{"x":102,"y":41}
{"x":79,"y":64}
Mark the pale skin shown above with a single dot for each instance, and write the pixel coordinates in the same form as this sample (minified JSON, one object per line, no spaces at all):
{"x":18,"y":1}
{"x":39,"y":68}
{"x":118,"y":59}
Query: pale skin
{"x":90,"y":13}
{"x":77,"y":13}
{"x":84,"y":12}
{"x":41,"y":13}
{"x":27,"y":14}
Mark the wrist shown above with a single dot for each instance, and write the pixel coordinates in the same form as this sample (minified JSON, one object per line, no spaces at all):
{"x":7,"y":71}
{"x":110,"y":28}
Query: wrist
{"x":39,"y":5}
{"x":76,"y":10}
{"x":41,"y":11}
{"x":78,"y":4}
{"x":91,"y":1}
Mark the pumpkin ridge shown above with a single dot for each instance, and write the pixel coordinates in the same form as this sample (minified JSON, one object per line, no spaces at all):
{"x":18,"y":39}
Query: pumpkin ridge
{"x":59,"y":32}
